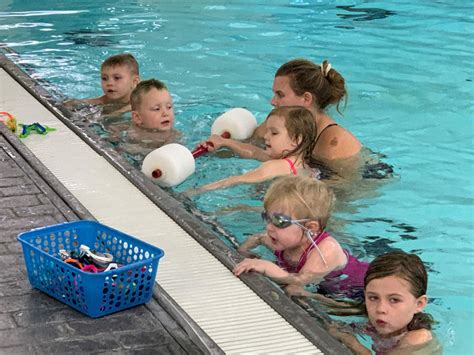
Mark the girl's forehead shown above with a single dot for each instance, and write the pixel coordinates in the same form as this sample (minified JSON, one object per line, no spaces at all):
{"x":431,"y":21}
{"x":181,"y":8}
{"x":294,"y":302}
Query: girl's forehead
{"x":389,"y":284}
{"x":282,"y":205}
{"x":276,"y":120}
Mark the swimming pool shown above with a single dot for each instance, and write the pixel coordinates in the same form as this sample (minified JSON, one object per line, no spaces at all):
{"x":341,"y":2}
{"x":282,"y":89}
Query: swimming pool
{"x":409,"y":72}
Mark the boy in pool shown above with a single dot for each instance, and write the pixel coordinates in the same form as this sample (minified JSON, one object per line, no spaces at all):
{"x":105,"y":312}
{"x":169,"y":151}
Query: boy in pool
{"x":152,"y":119}
{"x":119,"y":76}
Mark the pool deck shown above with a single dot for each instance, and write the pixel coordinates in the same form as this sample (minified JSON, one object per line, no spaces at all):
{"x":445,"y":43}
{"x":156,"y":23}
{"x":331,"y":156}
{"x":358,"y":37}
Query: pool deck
{"x":198,"y":305}
{"x":32,"y":322}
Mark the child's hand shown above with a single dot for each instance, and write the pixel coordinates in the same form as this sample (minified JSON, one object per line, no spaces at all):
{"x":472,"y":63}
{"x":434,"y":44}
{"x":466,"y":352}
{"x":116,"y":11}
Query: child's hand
{"x":247,"y":265}
{"x":213,"y":143}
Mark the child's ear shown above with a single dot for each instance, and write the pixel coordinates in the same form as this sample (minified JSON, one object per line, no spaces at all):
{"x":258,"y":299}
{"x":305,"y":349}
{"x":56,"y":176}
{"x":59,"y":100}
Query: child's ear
{"x":136,"y":80}
{"x":136,"y":118}
{"x":313,"y":226}
{"x":297,"y":141}
{"x":421,"y":302}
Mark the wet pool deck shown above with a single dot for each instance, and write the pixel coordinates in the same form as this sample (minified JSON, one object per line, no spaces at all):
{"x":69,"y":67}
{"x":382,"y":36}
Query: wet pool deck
{"x":31,"y":321}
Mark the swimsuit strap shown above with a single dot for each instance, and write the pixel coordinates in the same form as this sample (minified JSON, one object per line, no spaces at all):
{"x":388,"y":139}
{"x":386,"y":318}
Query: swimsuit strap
{"x":281,"y":261}
{"x":292,"y":166}
{"x":317,"y":239}
{"x":322,"y":131}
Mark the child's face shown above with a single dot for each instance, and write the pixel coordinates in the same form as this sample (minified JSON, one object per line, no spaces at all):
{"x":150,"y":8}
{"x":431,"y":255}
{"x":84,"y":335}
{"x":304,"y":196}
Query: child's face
{"x":118,"y":83}
{"x":390,"y":304}
{"x":283,"y":94}
{"x":284,"y":238}
{"x":276,"y":137}
{"x":155,"y":111}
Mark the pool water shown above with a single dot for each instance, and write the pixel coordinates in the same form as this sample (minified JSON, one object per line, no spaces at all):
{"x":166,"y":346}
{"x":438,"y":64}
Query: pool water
{"x":409,"y":71}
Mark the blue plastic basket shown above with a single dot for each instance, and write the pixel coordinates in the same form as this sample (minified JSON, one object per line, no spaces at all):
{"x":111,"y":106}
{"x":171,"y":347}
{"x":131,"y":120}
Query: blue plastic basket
{"x":94,"y":294}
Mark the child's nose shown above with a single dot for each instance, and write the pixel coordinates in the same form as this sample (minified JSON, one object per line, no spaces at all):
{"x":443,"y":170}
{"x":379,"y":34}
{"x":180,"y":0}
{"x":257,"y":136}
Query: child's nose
{"x":381,"y":307}
{"x":270,"y":227}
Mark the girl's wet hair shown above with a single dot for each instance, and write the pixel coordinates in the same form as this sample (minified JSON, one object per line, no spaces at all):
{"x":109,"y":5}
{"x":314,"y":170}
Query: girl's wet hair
{"x":410,"y":268}
{"x":142,"y":88}
{"x":306,"y":197}
{"x":306,"y":76}
{"x":300,"y":124}
{"x":122,"y":59}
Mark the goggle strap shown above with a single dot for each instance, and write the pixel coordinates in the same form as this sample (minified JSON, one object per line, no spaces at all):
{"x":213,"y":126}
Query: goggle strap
{"x":309,"y":236}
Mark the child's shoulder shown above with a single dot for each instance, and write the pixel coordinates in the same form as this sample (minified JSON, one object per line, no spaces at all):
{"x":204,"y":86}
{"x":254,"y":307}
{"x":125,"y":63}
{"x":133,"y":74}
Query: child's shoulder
{"x":416,"y":337}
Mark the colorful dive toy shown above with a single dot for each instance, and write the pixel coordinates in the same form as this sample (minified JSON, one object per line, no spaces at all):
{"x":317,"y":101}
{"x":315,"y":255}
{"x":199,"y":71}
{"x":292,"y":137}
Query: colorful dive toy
{"x":26,"y":129}
{"x":10,"y":121}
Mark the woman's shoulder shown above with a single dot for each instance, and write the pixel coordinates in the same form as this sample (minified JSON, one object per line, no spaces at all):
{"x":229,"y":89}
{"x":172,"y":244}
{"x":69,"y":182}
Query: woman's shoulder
{"x":336,"y":142}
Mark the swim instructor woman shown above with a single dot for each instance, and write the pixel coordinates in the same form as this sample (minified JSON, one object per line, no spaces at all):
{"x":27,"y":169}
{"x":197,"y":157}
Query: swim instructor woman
{"x":300,"y":82}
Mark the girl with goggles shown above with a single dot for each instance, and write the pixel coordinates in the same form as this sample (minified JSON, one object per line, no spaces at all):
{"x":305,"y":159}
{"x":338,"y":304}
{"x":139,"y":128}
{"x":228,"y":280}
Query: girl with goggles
{"x":296,"y":212}
{"x":289,"y":142}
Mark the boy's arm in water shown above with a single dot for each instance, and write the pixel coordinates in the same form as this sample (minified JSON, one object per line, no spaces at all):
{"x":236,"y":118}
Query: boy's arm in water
{"x":126,"y":108}
{"x":244,"y":150}
{"x":101,"y":100}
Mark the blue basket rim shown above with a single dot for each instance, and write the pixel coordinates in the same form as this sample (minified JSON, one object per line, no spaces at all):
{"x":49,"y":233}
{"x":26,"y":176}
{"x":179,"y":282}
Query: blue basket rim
{"x":21,"y":236}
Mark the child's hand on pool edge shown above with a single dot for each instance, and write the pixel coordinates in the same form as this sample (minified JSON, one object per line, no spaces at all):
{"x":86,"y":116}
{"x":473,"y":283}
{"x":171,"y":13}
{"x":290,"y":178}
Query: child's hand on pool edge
{"x":248,"y":265}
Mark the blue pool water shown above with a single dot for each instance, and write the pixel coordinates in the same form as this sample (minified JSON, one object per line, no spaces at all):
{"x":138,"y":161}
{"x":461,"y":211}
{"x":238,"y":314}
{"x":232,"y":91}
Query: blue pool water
{"x":409,"y":70}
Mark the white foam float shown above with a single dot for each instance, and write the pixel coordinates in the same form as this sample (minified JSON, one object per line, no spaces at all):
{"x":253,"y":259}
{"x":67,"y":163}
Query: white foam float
{"x":173,"y":163}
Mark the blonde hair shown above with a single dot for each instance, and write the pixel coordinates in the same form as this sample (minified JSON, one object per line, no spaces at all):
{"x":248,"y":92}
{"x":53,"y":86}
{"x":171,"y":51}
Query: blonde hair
{"x":124,"y":59}
{"x":306,"y":197}
{"x":143,"y":88}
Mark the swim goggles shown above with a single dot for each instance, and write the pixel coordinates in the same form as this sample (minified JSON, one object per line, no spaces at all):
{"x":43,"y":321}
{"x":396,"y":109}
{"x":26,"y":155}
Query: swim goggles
{"x":280,"y":220}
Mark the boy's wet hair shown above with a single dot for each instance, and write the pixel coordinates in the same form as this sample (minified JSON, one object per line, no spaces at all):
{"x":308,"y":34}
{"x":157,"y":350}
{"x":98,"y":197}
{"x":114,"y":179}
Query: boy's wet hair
{"x":305,"y":197}
{"x":306,"y":76}
{"x":124,"y":59}
{"x":408,"y":267}
{"x":299,"y":122}
{"x":142,"y":88}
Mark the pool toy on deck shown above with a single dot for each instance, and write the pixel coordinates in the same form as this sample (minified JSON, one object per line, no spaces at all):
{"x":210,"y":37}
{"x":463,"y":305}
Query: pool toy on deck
{"x":9,"y":121}
{"x":173,"y":163}
{"x":27,"y":129}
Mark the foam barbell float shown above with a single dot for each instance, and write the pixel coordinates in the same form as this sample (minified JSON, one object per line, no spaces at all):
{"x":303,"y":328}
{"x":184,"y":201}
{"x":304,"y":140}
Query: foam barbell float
{"x":173,"y":163}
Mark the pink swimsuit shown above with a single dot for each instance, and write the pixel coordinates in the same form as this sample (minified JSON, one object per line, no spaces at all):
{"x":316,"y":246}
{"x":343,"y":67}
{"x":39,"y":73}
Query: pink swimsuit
{"x":348,"y":281}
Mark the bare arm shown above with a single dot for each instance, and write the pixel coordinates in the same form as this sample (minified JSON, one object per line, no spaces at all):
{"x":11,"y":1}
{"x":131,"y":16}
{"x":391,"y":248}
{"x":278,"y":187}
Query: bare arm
{"x":350,"y":341}
{"x":244,"y":150}
{"x":126,"y":108}
{"x":101,"y":100}
{"x":250,"y":243}
{"x":266,"y":171}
